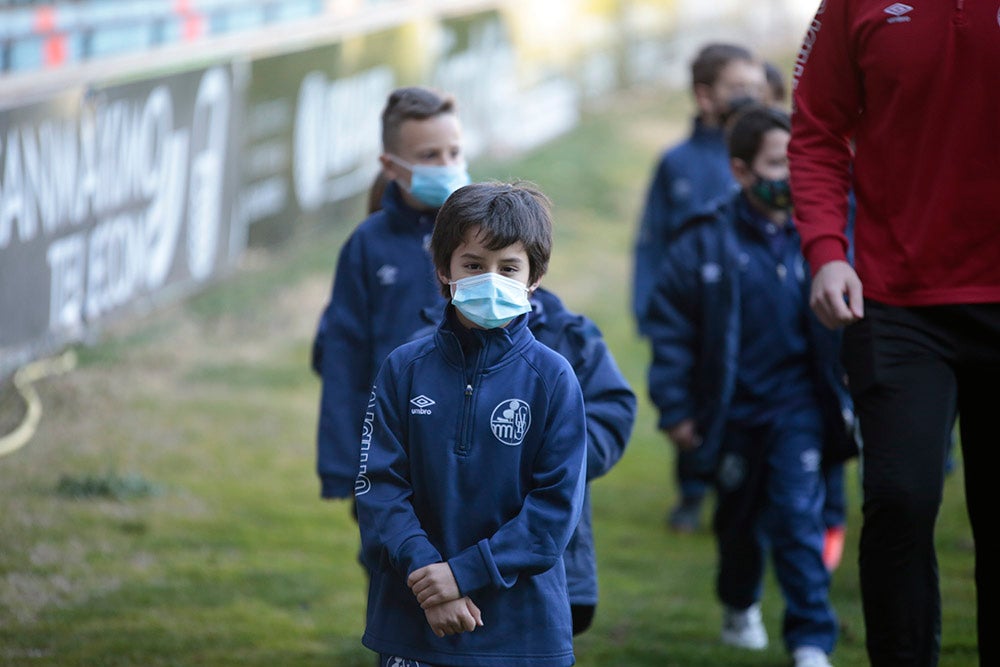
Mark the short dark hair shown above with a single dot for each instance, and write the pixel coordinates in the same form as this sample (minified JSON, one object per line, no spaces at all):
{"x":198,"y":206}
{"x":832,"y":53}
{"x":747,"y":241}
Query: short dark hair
{"x":411,"y":103}
{"x":775,"y":81}
{"x":505,"y":214}
{"x":713,"y":58}
{"x":747,"y":130}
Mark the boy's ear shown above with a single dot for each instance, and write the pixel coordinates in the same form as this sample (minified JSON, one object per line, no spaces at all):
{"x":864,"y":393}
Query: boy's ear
{"x":443,"y":278}
{"x":703,"y":100}
{"x":392,"y":171}
{"x":533,"y":286}
{"x":741,"y":172}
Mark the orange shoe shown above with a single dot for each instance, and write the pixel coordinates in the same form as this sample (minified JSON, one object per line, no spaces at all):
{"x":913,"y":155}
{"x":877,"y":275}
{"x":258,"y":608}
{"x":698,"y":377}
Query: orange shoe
{"x":833,"y":547}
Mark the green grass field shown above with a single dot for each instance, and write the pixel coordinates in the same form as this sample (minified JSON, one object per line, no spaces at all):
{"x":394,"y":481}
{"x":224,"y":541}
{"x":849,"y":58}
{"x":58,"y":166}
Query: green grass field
{"x":167,"y":512}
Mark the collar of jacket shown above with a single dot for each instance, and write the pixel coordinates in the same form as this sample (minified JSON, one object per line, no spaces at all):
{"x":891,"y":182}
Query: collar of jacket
{"x":702,"y":132}
{"x":539,"y":313}
{"x":747,"y":215}
{"x":403,"y":217}
{"x":496,"y":344}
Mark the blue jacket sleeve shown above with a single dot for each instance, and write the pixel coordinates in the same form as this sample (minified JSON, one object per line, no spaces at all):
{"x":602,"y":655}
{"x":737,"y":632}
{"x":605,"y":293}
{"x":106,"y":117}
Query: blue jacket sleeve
{"x":534,"y":540}
{"x":651,"y":244}
{"x":609,"y":401}
{"x":390,"y":529}
{"x":674,"y":319}
{"x":345,"y":369}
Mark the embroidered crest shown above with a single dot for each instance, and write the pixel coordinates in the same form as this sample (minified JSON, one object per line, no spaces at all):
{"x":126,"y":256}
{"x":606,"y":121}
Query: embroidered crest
{"x":510,"y":421}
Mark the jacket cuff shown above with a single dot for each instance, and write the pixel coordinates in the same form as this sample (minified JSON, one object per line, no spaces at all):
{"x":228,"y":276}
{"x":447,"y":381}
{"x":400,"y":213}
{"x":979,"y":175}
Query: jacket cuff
{"x":414,"y":554}
{"x":474,"y":568}
{"x":671,"y":418}
{"x":824,"y":250}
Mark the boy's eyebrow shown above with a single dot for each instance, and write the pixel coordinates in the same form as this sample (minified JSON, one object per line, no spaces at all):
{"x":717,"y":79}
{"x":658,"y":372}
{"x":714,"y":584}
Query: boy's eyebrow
{"x":504,"y":260}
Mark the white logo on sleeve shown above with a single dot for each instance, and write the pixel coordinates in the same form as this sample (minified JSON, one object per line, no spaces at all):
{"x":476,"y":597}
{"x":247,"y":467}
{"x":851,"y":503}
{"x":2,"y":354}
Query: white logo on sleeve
{"x":898,"y":11}
{"x":387,"y":274}
{"x":422,"y":404}
{"x":510,"y":421}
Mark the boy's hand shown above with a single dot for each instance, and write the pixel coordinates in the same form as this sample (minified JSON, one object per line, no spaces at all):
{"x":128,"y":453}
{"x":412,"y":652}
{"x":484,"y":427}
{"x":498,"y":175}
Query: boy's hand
{"x":684,"y":435}
{"x":453,"y":617}
{"x":433,"y":584}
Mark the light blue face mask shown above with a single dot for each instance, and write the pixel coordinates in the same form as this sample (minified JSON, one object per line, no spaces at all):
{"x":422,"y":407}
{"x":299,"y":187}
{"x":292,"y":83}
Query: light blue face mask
{"x":489,"y":299}
{"x":432,"y":184}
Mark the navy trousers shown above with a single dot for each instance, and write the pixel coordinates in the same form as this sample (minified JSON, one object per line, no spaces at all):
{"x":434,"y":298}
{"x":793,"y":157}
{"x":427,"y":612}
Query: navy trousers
{"x":770,"y":491}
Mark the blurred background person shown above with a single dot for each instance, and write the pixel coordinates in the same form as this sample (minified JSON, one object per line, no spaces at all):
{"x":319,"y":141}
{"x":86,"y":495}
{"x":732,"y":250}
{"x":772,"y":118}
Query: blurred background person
{"x":748,"y":382}
{"x":689,"y":176}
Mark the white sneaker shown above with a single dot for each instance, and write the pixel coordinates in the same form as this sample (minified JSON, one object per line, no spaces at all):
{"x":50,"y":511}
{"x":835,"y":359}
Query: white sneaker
{"x":810,"y":656}
{"x":744,"y":628}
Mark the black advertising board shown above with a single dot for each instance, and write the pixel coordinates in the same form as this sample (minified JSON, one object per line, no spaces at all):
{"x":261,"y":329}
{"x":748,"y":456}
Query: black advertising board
{"x":112,"y":198}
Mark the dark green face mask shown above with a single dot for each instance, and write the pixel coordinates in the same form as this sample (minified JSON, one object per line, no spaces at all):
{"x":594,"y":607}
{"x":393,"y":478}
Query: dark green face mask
{"x":776,"y":194}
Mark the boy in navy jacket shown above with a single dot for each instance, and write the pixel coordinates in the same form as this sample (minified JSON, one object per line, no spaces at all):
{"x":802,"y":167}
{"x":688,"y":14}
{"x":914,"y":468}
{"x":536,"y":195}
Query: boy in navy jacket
{"x":610,"y":406}
{"x":384,"y":274}
{"x":747,"y":380}
{"x":690,"y":177}
{"x":473,"y":457}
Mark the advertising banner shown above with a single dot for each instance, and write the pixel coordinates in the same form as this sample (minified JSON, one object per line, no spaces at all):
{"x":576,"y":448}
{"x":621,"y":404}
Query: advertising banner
{"x":110,"y":198}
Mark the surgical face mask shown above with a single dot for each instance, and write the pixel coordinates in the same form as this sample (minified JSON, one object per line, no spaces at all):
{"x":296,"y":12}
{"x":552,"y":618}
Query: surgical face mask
{"x":432,"y":184}
{"x":489,"y":299}
{"x":776,"y":194}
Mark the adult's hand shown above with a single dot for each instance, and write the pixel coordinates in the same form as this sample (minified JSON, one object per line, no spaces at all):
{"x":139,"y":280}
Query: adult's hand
{"x":836,"y":296}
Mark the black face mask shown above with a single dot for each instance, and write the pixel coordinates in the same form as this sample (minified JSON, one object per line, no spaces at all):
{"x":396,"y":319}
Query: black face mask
{"x":775,"y":194}
{"x":734,"y":106}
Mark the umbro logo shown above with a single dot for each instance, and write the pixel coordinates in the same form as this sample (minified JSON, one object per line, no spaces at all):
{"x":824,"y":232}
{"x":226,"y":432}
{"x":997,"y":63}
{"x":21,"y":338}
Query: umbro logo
{"x":387,"y":274}
{"x":898,"y":11}
{"x":422,"y":403}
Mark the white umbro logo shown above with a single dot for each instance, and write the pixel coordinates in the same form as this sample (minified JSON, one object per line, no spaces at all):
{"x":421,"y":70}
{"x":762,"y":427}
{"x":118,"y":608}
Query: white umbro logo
{"x":387,"y":274}
{"x":898,"y":12}
{"x":422,"y":403}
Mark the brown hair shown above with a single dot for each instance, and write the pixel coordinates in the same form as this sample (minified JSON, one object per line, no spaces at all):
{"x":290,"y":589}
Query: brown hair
{"x":411,"y":103}
{"x":746,"y":132}
{"x":502,"y":214}
{"x":713,"y":58}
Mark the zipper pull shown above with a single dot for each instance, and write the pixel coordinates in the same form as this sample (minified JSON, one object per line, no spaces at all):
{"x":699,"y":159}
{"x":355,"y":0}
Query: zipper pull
{"x":468,"y":390}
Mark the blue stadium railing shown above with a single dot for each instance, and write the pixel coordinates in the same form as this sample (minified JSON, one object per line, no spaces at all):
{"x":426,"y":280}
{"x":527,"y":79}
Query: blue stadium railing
{"x":45,"y":35}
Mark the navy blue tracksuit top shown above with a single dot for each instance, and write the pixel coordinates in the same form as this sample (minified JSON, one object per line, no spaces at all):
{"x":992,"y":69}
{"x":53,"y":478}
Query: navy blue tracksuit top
{"x":384,"y":278}
{"x":689,"y":178}
{"x":696,"y":330}
{"x":610,"y":405}
{"x":477,"y":459}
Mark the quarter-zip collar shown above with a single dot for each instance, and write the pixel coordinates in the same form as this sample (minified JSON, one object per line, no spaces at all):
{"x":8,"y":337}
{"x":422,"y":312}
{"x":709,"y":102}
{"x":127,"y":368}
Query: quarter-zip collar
{"x":495,"y":344}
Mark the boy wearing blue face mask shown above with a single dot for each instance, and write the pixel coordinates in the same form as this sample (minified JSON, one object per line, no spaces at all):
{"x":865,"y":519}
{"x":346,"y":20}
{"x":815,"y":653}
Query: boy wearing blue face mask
{"x":747,"y":380}
{"x":384,"y":275}
{"x":473,"y":457}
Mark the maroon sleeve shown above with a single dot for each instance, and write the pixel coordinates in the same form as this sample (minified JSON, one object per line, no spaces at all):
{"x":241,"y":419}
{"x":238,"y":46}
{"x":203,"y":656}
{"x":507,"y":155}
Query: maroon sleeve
{"x":826,"y":105}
